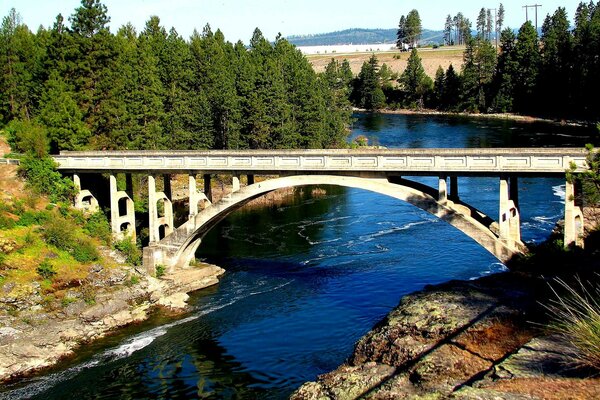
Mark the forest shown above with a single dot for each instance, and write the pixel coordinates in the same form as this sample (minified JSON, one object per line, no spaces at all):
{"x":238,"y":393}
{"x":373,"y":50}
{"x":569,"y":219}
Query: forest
{"x":554,"y":75}
{"x":77,"y":86}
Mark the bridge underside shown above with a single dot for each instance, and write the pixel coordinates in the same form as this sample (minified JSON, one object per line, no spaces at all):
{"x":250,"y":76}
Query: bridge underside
{"x":177,"y":249}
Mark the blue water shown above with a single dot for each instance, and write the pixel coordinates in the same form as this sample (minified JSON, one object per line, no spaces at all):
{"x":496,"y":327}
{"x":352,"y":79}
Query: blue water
{"x":306,"y":280}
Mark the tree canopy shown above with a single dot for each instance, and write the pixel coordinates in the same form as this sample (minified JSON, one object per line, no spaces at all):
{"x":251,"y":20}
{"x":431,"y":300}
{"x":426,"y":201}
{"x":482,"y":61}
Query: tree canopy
{"x":88,"y":88}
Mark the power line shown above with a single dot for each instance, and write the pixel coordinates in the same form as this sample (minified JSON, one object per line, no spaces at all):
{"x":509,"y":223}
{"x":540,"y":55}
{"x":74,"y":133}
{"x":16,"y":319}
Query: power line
{"x":535,"y":6}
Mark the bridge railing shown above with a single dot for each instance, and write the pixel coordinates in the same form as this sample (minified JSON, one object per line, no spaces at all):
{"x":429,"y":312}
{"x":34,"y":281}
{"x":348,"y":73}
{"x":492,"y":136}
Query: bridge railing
{"x":515,"y":160}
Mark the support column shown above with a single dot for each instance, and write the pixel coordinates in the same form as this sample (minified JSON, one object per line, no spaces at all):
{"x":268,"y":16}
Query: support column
{"x":453,"y":188}
{"x":509,"y":220}
{"x":153,"y":228}
{"x":167,"y":186}
{"x":156,"y":222}
{"x":84,"y":199}
{"x":192,"y":196}
{"x":442,"y":190}
{"x":235,"y":183}
{"x":573,"y":218}
{"x":117,"y":220}
{"x":250,"y":180}
{"x":207,"y":187}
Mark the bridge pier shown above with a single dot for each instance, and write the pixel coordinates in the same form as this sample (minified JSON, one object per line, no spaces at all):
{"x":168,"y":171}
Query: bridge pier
{"x":84,"y":200}
{"x":195,"y":197}
{"x":453,"y":188}
{"x":509,"y":221}
{"x":574,"y":229}
{"x":207,"y":187}
{"x":156,"y":222}
{"x":235,"y":183}
{"x":443,"y":190}
{"x":123,"y":225}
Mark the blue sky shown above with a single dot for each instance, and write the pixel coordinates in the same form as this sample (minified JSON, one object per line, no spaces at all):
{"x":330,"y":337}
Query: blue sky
{"x":237,"y":19}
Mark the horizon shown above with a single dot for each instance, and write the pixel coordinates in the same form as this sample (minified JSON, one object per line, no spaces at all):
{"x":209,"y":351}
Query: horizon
{"x":238,"y":20}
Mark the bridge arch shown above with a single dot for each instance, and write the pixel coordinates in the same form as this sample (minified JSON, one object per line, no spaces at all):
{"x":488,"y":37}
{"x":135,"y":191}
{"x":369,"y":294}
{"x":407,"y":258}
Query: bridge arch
{"x":178,"y":249}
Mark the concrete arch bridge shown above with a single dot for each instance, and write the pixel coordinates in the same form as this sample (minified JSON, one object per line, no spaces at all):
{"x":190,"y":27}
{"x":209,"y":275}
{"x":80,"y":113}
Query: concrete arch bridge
{"x":380,"y":171}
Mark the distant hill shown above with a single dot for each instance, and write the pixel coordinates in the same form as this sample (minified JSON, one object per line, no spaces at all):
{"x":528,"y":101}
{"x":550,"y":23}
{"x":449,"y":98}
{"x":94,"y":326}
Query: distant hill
{"x":360,"y":36}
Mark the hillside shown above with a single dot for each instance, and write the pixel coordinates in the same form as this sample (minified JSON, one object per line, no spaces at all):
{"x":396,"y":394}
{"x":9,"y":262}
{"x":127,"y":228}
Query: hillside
{"x":360,"y":36}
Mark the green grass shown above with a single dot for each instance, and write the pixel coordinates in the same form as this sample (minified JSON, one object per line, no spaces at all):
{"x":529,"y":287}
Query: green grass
{"x":575,"y":313}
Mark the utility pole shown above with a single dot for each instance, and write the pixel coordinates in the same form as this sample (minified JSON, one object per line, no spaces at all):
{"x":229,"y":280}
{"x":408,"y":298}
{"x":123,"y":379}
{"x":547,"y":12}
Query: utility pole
{"x":535,"y":6}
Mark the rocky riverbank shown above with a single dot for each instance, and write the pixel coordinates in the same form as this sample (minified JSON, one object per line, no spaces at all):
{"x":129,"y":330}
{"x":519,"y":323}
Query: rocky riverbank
{"x":462,"y":339}
{"x":39,"y":339}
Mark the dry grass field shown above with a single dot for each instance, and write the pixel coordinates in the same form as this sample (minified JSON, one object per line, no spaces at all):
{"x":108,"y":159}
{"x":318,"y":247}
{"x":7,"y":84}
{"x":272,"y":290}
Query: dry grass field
{"x":430,"y":58}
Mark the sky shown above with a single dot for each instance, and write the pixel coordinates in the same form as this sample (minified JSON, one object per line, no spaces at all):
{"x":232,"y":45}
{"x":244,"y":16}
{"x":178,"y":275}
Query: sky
{"x":238,"y":18}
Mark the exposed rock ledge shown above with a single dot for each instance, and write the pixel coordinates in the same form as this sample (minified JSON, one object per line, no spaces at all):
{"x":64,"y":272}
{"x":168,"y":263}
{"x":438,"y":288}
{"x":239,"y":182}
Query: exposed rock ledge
{"x":461,"y":339}
{"x":25,"y":350}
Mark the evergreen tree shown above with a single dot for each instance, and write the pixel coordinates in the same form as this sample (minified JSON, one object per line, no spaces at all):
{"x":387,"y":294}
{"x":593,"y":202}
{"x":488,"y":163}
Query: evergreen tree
{"x":415,"y":83}
{"x":527,"y":58}
{"x":481,"y":23}
{"x":369,"y":93}
{"x":402,"y":33}
{"x":18,"y":58}
{"x":448,"y":41}
{"x":90,"y":19}
{"x":500,"y":18}
{"x":555,"y":69}
{"x":506,"y":73}
{"x":413,"y":28}
{"x":451,"y":91}
{"x":478,"y":71}
{"x":409,"y":30}
{"x":61,"y":117}
{"x":439,"y":84}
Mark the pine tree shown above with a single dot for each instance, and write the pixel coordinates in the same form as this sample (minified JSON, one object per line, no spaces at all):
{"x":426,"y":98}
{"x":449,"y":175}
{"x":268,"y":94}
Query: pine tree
{"x":506,"y":73}
{"x":61,"y":117}
{"x":481,"y":23}
{"x":478,"y":72}
{"x":370,"y":95}
{"x":402,"y":33}
{"x":527,"y":58}
{"x":451,"y":91}
{"x":18,"y":57}
{"x":439,"y":84}
{"x":448,"y":41}
{"x":415,"y":83}
{"x":555,"y":69}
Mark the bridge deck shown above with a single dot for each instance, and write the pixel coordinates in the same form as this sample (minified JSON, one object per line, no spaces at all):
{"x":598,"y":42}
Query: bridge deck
{"x":542,"y":161}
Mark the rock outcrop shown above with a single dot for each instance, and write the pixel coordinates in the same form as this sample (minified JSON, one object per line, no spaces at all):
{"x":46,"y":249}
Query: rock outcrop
{"x":461,"y":339}
{"x":39,"y":343}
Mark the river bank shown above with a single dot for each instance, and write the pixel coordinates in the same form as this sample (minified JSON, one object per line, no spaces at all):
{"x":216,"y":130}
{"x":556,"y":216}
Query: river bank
{"x":480,"y":339}
{"x":38,"y":339}
{"x":492,"y":116}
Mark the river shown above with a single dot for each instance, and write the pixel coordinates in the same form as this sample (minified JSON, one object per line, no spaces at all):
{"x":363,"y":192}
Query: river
{"x":306,"y":280}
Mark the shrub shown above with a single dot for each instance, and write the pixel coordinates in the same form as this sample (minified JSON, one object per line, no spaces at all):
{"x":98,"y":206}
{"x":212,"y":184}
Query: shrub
{"x":42,"y":177}
{"x":5,"y":222}
{"x":97,"y":225}
{"x":160,"y":270}
{"x":85,"y":251}
{"x":133,"y":254}
{"x":46,"y":270}
{"x":576,"y":318}
{"x":59,"y":232}
{"x":29,"y":218}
